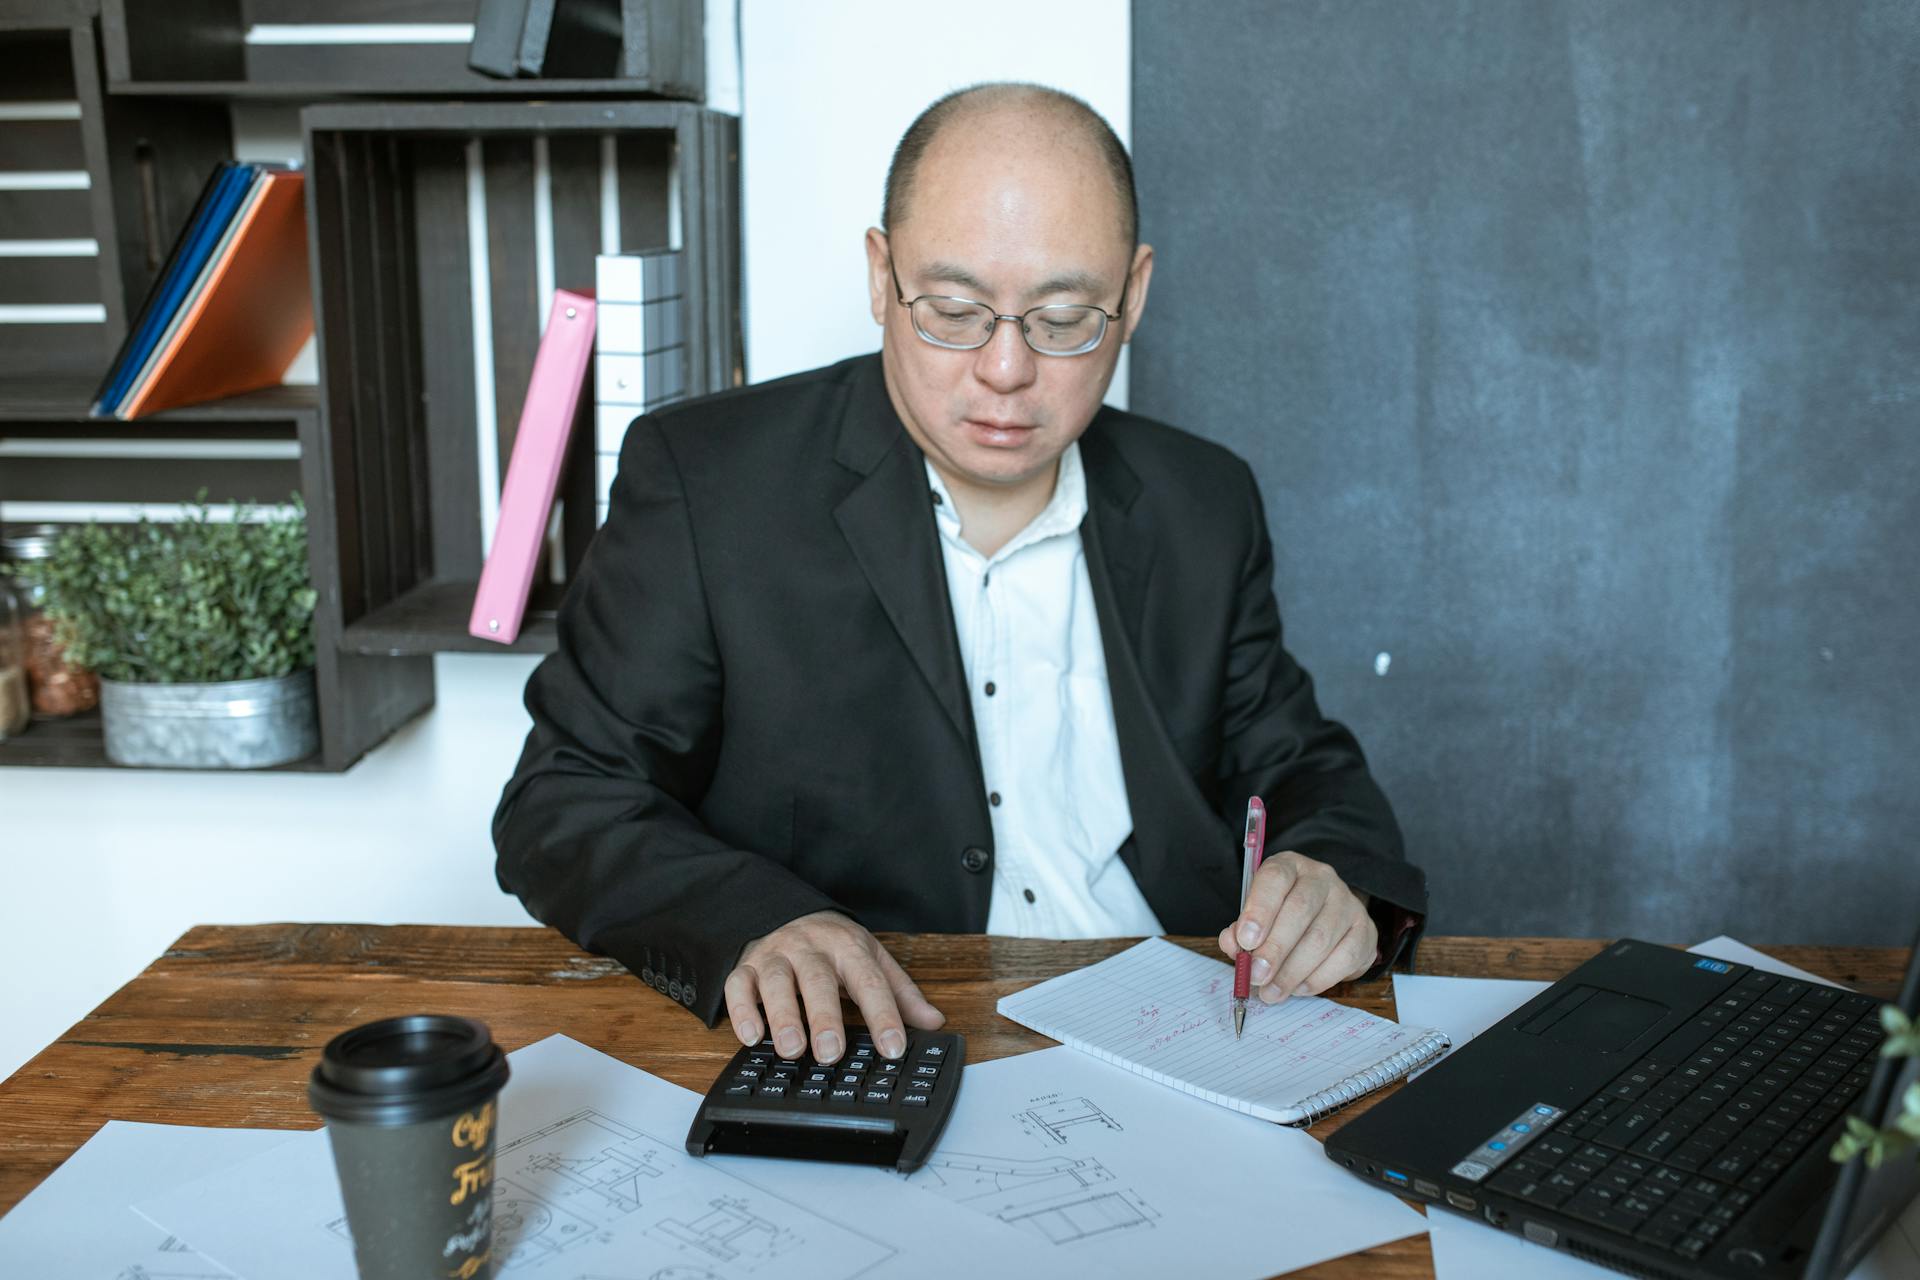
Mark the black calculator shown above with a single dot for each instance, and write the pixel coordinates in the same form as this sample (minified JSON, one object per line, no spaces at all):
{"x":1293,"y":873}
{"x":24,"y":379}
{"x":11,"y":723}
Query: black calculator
{"x":863,"y":1109}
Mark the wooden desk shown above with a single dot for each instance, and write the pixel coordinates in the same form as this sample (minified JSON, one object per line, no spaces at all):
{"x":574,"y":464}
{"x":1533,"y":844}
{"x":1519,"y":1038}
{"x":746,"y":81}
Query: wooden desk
{"x":224,"y":1027}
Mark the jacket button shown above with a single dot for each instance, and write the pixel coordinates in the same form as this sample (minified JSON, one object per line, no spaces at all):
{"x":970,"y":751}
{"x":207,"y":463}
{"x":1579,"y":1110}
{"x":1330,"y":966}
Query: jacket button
{"x":975,"y":860}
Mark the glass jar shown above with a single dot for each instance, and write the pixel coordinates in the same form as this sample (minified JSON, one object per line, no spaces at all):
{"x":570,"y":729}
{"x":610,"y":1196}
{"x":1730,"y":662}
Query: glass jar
{"x":13,"y":668}
{"x":56,"y":686}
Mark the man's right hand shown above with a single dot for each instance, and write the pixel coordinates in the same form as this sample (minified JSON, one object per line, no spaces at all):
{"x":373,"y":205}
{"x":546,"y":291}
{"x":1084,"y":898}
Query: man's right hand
{"x":806,"y":962}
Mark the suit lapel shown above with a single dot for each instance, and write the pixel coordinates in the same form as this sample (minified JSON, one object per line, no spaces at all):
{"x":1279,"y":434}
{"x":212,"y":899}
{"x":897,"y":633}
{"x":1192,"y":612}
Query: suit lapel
{"x":887,"y":520}
{"x":1178,"y":843}
{"x":1116,"y":540}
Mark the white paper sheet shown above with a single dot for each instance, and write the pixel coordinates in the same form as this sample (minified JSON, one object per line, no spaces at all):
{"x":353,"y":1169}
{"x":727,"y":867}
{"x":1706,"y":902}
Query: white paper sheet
{"x":76,"y":1225}
{"x":1725,"y":948}
{"x":592,"y":1178}
{"x":1166,"y":1013}
{"x":1467,"y":1250}
{"x":1105,"y":1173}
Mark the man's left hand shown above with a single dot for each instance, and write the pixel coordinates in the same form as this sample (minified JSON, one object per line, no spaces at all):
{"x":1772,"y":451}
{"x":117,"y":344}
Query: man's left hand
{"x":1306,"y":929}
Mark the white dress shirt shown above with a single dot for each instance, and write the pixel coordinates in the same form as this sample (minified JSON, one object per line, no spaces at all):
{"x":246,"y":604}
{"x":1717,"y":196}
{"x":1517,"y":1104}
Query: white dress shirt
{"x":1049,"y":753}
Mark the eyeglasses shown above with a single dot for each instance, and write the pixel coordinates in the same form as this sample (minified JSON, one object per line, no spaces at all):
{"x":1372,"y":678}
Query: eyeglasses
{"x":961,"y":324}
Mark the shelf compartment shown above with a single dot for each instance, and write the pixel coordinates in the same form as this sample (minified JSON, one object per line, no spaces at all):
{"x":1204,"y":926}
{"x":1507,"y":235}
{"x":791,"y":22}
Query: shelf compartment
{"x":212,"y":49}
{"x":75,"y":742}
{"x":428,"y":256}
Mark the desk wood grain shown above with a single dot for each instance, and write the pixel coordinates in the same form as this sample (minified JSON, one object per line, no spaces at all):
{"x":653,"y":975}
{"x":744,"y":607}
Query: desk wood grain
{"x":225,"y":1026}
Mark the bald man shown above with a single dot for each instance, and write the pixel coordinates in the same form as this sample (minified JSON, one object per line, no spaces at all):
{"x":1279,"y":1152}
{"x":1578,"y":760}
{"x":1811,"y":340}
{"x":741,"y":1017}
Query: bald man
{"x":931,"y":640}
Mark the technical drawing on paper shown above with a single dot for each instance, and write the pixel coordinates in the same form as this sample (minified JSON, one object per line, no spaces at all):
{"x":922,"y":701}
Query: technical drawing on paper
{"x":139,"y":1272}
{"x":729,"y":1231}
{"x":1060,"y":1199}
{"x":589,"y":1182}
{"x":1049,"y":1121}
{"x":596,"y":1191}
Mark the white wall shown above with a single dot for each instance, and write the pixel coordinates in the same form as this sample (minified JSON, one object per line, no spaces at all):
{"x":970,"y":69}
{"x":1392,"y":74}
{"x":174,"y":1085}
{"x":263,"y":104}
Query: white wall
{"x":100,"y":870}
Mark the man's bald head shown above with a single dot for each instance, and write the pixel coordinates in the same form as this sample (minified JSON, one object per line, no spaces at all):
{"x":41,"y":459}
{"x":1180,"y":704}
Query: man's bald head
{"x":1067,"y":117}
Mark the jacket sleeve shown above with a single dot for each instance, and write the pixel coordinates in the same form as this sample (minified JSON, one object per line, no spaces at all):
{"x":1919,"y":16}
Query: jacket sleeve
{"x":597,"y":831}
{"x":1308,"y":770}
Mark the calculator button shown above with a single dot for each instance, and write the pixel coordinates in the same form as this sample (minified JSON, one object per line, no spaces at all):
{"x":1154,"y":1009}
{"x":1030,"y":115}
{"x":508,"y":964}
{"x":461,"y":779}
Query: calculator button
{"x":863,"y":1051}
{"x":811,"y":1091}
{"x":819,"y":1075}
{"x":759,"y":1059}
{"x":850,"y":1080}
{"x":915,"y":1100}
{"x":877,"y":1095}
{"x":774,"y":1089}
{"x":856,"y":1064}
{"x":934,"y":1051}
{"x":919,"y":1086}
{"x":788,"y":1064}
{"x":843,"y":1094}
{"x":739,"y":1090}
{"x":747,"y":1073}
{"x":926,"y":1072}
{"x":887,"y":1069}
{"x":780,"y":1076}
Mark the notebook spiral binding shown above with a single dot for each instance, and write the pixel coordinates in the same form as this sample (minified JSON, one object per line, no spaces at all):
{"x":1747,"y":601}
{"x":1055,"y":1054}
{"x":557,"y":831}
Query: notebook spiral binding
{"x":1361,"y":1083}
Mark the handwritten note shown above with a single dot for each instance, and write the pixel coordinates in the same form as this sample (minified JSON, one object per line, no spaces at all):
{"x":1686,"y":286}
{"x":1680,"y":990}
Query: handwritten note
{"x":1166,"y":1013}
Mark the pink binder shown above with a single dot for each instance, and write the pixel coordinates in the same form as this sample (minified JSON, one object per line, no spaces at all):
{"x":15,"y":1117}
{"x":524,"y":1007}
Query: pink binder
{"x":533,"y":473}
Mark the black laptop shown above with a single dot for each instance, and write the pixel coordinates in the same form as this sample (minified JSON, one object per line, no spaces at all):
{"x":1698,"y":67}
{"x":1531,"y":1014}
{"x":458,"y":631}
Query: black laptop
{"x":1661,"y":1113}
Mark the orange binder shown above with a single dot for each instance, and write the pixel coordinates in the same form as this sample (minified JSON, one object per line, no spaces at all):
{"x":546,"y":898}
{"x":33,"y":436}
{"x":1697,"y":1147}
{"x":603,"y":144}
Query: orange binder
{"x":245,"y":327}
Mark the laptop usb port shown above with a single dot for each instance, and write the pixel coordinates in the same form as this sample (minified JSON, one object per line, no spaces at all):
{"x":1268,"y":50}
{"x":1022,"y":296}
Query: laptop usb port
{"x":1395,"y":1176}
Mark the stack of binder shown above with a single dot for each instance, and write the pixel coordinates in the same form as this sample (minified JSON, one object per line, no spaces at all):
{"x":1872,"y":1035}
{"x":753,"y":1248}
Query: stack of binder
{"x":232,"y":307}
{"x":641,"y":351}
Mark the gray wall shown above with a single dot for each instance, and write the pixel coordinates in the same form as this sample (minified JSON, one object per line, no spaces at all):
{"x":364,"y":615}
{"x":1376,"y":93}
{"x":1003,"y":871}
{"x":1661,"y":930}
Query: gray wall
{"x":1577,"y":345}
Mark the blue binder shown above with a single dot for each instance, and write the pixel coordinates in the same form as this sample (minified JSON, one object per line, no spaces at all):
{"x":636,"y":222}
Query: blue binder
{"x":190,"y":254}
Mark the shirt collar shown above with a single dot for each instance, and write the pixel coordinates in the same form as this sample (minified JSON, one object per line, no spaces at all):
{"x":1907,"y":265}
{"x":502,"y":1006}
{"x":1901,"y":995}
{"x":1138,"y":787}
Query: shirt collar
{"x":1062,"y":514}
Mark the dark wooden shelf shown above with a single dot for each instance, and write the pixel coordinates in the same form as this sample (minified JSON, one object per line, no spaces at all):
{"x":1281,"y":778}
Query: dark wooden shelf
{"x":66,"y":400}
{"x":432,"y":618}
{"x":290,"y":91}
{"x":75,"y":743}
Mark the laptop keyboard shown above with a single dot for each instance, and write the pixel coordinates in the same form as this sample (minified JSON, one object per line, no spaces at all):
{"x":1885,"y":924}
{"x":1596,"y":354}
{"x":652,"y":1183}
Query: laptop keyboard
{"x":1680,"y":1144}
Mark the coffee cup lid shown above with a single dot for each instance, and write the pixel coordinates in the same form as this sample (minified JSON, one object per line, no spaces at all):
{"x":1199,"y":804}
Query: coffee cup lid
{"x":406,"y":1069}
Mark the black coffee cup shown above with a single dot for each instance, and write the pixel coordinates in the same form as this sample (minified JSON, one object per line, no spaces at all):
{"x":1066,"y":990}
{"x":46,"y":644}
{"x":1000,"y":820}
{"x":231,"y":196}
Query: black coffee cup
{"x":410,"y":1105}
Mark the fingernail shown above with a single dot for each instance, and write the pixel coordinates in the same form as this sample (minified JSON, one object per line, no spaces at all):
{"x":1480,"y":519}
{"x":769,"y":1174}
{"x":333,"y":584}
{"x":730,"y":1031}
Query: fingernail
{"x":1249,"y":934}
{"x":749,"y":1033}
{"x":892,"y":1043}
{"x":826,"y":1046}
{"x":1301,"y":990}
{"x":1269,"y":995}
{"x":788,"y":1041}
{"x":1262,"y":970}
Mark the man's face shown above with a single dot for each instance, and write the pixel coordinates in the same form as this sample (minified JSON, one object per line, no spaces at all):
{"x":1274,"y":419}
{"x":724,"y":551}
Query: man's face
{"x":1004,"y":214}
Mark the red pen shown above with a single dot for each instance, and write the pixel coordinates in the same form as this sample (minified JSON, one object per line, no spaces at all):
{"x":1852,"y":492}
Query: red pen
{"x":1251,"y":849}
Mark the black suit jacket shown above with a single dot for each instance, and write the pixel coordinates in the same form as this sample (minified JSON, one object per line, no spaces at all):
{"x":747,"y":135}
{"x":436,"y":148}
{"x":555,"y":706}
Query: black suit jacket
{"x":758,"y":709}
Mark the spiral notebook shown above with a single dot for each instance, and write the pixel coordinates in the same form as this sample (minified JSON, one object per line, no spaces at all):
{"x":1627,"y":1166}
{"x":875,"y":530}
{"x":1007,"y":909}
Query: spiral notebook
{"x":1165,"y":1012}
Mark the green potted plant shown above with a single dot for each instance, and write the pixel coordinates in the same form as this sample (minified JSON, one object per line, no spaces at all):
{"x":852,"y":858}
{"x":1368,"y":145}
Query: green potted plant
{"x":201,"y":632}
{"x":1903,"y":1134}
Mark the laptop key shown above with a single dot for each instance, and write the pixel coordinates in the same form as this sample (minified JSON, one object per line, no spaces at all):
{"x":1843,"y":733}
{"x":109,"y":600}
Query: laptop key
{"x":1540,"y":1193}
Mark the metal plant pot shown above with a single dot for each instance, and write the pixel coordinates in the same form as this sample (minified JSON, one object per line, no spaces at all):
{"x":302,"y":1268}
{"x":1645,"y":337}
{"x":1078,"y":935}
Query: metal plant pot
{"x":235,"y":724}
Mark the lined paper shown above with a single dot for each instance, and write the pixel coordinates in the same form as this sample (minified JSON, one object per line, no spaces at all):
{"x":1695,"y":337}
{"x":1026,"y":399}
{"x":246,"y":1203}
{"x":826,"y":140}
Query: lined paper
{"x":1167,"y":1013}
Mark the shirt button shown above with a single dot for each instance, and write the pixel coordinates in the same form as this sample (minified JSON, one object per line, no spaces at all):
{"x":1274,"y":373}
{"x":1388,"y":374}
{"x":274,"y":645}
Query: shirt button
{"x":993,"y":798}
{"x":989,"y":688}
{"x":937,"y":499}
{"x":1028,"y":893}
{"x":975,"y":860}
